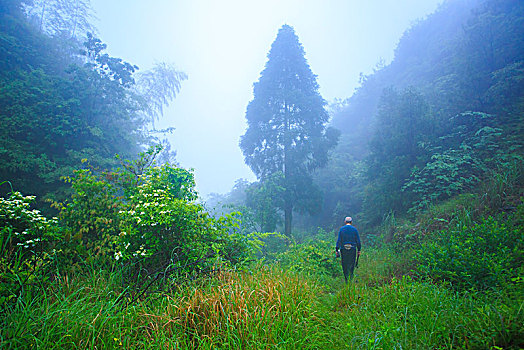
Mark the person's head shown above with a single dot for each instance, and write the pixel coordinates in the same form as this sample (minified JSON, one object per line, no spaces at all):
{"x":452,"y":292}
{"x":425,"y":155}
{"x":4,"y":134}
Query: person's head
{"x":348,"y":220}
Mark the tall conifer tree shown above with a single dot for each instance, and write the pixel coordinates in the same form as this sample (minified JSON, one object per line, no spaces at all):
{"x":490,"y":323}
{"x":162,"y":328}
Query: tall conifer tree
{"x":287,"y":125}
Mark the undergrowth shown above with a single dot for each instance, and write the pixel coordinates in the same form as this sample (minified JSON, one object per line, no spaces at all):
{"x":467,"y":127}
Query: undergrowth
{"x":432,"y":287}
{"x":405,"y":314}
{"x":267,"y":308}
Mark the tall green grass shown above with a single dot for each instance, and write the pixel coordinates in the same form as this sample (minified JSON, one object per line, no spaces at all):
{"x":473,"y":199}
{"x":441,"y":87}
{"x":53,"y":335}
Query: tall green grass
{"x":405,"y":314}
{"x":267,"y":308}
{"x":76,"y":312}
{"x":274,"y":308}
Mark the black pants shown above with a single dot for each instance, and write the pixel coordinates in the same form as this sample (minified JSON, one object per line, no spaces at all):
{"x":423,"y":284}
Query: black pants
{"x":348,"y":262}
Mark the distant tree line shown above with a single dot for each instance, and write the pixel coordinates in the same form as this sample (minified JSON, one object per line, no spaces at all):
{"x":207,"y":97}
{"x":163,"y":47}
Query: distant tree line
{"x":443,"y":116}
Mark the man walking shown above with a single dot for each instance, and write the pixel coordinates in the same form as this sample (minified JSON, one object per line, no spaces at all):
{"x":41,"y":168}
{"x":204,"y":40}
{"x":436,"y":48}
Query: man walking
{"x":348,"y":245}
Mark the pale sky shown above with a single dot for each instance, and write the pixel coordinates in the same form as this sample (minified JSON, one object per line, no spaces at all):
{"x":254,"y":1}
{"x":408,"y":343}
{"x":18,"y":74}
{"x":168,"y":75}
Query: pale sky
{"x":223,"y":44}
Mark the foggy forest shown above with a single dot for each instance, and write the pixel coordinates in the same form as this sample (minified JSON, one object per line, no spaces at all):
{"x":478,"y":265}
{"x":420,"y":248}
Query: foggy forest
{"x":262,"y":175}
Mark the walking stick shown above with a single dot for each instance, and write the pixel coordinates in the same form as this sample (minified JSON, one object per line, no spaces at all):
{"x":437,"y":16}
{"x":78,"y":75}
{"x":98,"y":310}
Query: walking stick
{"x":358,"y":256}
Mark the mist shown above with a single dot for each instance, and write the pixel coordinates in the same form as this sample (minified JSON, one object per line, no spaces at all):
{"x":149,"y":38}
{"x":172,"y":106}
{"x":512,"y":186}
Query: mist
{"x":222,"y":47}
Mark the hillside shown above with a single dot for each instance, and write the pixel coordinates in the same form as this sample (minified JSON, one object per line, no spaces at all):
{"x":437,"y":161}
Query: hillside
{"x":456,"y":73}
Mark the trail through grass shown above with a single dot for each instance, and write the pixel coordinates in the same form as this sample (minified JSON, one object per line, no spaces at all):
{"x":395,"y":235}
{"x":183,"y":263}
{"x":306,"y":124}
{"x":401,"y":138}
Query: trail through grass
{"x":268,"y":308}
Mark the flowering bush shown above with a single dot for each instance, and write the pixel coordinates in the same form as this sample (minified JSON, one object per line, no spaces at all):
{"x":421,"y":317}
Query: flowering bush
{"x":23,"y":230}
{"x":162,"y":225}
{"x":153,"y":218}
{"x":145,"y":217}
{"x":25,"y":236}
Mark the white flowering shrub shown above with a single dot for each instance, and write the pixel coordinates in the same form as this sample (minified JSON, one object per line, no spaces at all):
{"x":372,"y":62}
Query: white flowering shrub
{"x":146,"y":218}
{"x":23,"y":229}
{"x":162,"y":225}
{"x":25,"y":237}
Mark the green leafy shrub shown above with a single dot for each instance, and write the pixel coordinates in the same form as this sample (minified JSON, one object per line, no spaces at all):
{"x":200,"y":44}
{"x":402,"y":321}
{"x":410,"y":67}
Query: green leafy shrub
{"x":315,"y":257}
{"x":484,"y":255}
{"x":90,"y":218}
{"x":145,"y":217}
{"x":25,"y":239}
{"x":161,"y":225}
{"x":472,"y":151}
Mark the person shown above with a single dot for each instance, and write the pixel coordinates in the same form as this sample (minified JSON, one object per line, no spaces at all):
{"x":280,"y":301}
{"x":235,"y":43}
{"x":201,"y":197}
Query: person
{"x":348,"y":245}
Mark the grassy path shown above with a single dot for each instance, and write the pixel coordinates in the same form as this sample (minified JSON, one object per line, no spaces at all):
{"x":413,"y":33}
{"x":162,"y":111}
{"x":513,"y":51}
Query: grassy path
{"x":267,"y":309}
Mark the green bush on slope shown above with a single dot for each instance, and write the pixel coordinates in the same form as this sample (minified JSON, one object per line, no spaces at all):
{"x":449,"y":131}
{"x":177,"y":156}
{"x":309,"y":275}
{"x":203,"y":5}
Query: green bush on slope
{"x":485,"y":255}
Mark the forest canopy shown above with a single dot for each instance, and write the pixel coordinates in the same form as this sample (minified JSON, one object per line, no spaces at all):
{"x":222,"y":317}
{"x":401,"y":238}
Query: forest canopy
{"x":63,"y":99}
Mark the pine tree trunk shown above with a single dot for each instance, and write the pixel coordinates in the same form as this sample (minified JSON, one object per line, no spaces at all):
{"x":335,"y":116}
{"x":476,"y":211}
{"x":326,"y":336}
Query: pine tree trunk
{"x":288,"y":204}
{"x":288,"y":216}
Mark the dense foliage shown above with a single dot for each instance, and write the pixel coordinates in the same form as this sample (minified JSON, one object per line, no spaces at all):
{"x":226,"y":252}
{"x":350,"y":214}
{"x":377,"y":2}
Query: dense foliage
{"x":62,"y":98}
{"x":146,"y":215}
{"x":485,"y":255}
{"x":438,"y":120}
{"x":27,"y":239}
{"x":141,"y":218}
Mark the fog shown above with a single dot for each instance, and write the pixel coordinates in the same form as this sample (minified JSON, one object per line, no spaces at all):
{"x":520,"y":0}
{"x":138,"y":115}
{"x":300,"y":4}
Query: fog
{"x":222,"y":46}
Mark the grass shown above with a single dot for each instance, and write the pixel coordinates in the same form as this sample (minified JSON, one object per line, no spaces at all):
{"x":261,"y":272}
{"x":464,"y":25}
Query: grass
{"x":267,"y":308}
{"x":405,"y":314}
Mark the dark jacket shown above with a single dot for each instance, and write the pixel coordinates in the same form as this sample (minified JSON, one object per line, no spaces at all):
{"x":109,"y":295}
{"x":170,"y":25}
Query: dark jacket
{"x":348,"y":235}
